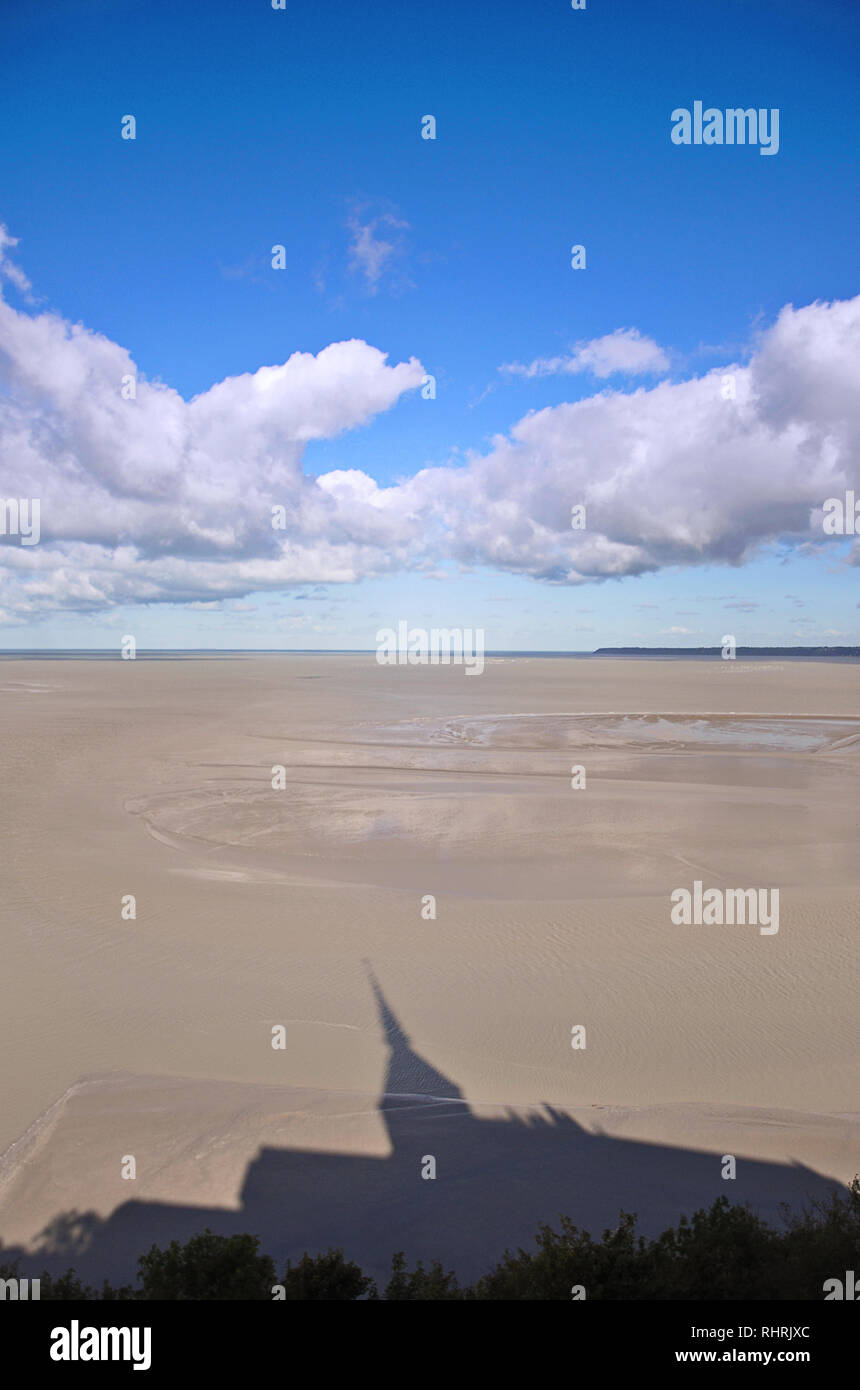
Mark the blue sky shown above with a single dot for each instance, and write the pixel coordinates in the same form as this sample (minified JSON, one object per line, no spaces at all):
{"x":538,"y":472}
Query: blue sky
{"x":301,"y":127}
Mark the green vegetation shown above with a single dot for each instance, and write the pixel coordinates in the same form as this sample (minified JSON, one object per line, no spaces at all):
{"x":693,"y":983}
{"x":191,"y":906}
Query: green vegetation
{"x":724,"y":1252}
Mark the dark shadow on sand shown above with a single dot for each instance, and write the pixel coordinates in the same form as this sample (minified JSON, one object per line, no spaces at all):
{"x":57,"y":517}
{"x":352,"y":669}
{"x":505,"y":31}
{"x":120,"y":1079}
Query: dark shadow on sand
{"x":497,"y":1180}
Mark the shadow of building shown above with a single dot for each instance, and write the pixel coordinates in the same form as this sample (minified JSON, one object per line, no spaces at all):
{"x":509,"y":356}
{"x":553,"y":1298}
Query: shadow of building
{"x":497,"y":1178}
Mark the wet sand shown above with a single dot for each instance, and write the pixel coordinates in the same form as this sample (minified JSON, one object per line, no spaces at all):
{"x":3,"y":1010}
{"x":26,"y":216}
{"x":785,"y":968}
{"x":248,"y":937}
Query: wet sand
{"x":302,"y":907}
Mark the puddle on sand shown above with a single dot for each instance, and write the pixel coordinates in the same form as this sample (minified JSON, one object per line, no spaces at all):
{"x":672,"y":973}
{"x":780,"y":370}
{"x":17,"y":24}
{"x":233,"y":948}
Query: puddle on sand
{"x":742,"y":733}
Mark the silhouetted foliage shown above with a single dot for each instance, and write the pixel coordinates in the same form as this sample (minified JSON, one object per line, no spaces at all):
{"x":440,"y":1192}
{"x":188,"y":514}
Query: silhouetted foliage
{"x":820,"y":1243}
{"x":723,"y":1252}
{"x":422,"y":1284}
{"x":327,"y":1278}
{"x":207,"y":1267}
{"x":68,"y":1287}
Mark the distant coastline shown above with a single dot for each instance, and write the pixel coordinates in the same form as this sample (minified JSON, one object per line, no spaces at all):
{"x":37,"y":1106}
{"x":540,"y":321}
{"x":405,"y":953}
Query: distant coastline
{"x":826,"y":653}
{"x":203,"y":653}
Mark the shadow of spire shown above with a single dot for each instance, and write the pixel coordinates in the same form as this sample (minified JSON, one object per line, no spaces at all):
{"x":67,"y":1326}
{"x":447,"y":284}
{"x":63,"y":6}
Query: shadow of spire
{"x":498,"y":1175}
{"x":407,"y":1074}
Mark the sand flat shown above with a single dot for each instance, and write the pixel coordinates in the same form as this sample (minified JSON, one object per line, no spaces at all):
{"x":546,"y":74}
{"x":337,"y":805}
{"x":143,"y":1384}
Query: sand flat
{"x":258,"y":907}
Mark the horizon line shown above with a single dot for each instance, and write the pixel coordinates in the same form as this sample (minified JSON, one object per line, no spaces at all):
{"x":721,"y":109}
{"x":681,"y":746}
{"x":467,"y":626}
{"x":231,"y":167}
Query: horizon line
{"x":849,"y":649}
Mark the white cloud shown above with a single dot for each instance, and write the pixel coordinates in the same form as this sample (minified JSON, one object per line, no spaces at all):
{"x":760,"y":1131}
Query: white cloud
{"x":675,"y":475}
{"x":8,"y":270}
{"x":625,"y":351}
{"x":372,"y":254}
{"x":162,"y":499}
{"x":159,"y":498}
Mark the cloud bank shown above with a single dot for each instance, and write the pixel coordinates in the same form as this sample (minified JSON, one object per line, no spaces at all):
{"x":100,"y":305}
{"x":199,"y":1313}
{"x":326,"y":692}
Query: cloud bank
{"x":162,"y":499}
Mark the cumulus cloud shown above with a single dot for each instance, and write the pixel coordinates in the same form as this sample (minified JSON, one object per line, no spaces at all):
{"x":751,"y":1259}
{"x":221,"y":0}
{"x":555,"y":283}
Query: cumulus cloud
{"x":626,"y":351}
{"x":162,"y":499}
{"x":678,"y":474}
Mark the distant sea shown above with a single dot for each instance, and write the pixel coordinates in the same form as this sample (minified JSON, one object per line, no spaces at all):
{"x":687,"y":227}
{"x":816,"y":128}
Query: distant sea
{"x":850,"y":654}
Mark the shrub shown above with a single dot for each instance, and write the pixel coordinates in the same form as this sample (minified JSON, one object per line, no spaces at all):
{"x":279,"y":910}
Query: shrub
{"x":327,"y":1278}
{"x":207,"y":1267}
